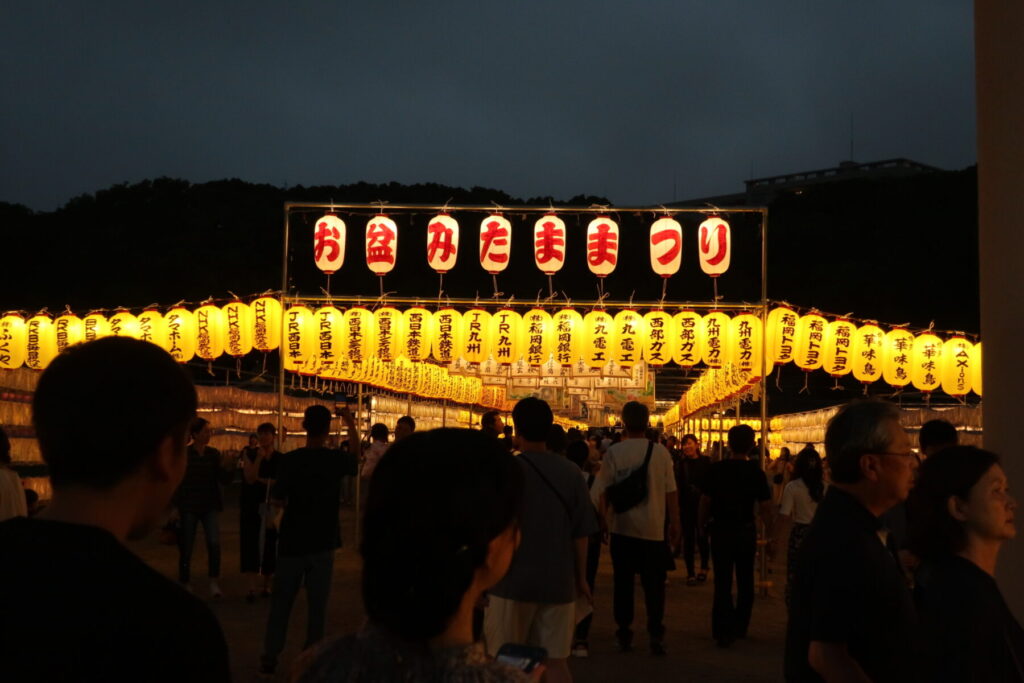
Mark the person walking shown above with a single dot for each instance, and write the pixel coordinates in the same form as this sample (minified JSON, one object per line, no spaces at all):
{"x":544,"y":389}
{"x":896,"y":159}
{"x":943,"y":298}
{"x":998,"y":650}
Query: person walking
{"x":799,"y":503}
{"x":637,"y":535}
{"x":691,"y":468}
{"x":257,"y":539}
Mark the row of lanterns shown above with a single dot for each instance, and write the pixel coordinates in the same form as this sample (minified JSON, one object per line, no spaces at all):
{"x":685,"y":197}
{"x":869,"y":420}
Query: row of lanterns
{"x":665,"y":244}
{"x":566,"y":336}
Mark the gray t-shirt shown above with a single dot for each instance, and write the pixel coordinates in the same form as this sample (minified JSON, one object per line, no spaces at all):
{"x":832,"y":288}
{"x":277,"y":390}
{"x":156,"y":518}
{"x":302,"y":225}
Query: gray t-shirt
{"x":543,"y":569}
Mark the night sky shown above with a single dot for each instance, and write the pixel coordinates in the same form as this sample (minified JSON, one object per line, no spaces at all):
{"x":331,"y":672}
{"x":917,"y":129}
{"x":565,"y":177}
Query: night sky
{"x":642,"y":102}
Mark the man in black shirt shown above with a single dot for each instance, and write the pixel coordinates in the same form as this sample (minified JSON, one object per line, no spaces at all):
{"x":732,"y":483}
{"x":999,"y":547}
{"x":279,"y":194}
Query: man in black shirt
{"x":851,"y":616}
{"x":308,"y":487}
{"x":75,"y":603}
{"x":731,"y":488}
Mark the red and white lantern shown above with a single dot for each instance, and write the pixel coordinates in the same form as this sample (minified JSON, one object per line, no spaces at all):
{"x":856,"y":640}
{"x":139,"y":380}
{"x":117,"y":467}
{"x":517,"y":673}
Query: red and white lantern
{"x":495,"y":243}
{"x":666,"y":245}
{"x":442,"y":243}
{"x":602,"y":245}
{"x":549,"y":244}
{"x":381,"y":244}
{"x":715,"y":246}
{"x":329,"y":243}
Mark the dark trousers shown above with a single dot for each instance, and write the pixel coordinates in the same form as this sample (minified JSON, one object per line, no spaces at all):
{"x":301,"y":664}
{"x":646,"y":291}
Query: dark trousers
{"x":187,"y":539}
{"x":732,"y":549}
{"x":632,"y":556}
{"x":593,"y":557}
{"x":313,"y":570}
{"x":250,"y":526}
{"x":694,"y":538}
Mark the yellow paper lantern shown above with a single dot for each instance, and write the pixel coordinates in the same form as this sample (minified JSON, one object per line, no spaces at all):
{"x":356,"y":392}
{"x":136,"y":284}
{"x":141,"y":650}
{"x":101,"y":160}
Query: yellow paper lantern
{"x":124,"y":324}
{"x":151,"y":328}
{"x":781,"y":331}
{"x":95,"y":326}
{"x":418,"y":334}
{"x":925,"y":356}
{"x":180,"y":324}
{"x":656,"y":346}
{"x":476,"y":335}
{"x":357,"y":326}
{"x":598,"y":337}
{"x":956,"y":367}
{"x":330,"y":336}
{"x":746,"y":343}
{"x":447,"y":335}
{"x":896,"y":357}
{"x":69,"y":329}
{"x":629,"y":331}
{"x":210,"y":332}
{"x":40,"y":341}
{"x":714,"y":328}
{"x":387,"y":333}
{"x":13,"y":341}
{"x":237,"y":320}
{"x":688,"y":340}
{"x":300,"y":337}
{"x":868,"y":343}
{"x":538,"y":336}
{"x":810,"y":341}
{"x":266,"y":323}
{"x":568,"y":339}
{"x":837,"y":355}
{"x":506,"y":336}
{"x":976,"y":375}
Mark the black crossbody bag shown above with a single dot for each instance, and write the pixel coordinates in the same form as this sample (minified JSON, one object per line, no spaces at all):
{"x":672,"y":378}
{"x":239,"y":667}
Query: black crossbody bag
{"x":631,"y":491}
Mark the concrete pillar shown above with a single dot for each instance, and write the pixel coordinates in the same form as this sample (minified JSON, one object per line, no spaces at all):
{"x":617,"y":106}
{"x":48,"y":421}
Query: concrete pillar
{"x":999,"y":72}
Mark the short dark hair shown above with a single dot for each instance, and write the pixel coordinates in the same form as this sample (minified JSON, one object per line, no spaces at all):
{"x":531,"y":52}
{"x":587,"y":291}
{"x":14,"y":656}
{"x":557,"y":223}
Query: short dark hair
{"x":379,"y":432}
{"x":557,"y":440}
{"x":441,"y":496}
{"x":578,"y":452}
{"x":953,"y":471}
{"x":197,"y":426}
{"x":937,"y":433}
{"x":533,"y":418}
{"x":741,"y":439}
{"x":487,"y":419}
{"x":316,"y":420}
{"x":5,"y":448}
{"x":133,"y":382}
{"x":266,"y":428}
{"x":860,"y":427}
{"x":635,"y":416}
{"x":408,"y":421}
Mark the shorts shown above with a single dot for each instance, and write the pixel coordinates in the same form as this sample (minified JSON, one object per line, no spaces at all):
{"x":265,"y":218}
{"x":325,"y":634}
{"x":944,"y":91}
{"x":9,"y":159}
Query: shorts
{"x":545,"y":625}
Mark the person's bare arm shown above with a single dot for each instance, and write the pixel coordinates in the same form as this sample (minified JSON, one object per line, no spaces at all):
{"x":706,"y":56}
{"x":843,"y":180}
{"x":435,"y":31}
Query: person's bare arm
{"x":833,"y":662}
{"x":580,"y":548}
{"x":675,"y":528}
{"x":354,"y":444}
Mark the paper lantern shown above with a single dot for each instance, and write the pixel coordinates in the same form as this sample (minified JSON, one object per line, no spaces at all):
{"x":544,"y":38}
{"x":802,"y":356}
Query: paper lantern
{"x":925,"y":356}
{"x":299,"y":337}
{"x":329,"y":243}
{"x":810,"y":342}
{"x":238,"y":327}
{"x":602,"y":245}
{"x":666,"y":246}
{"x":714,"y":328}
{"x":896,"y":348}
{"x":475,"y":346}
{"x":715,"y":246}
{"x":210,"y":332}
{"x":868,"y":344}
{"x":626,"y":342}
{"x":180,"y":324}
{"x":330,"y":336}
{"x":837,"y":353}
{"x":506,"y":336}
{"x":417,"y":333}
{"x":656,"y":344}
{"x":495,"y":243}
{"x":746,"y":344}
{"x":598,"y":336}
{"x":266,"y":323}
{"x":13,"y":341}
{"x":568,"y":339}
{"x":124,"y":324}
{"x":538,"y":336}
{"x":381,"y":244}
{"x":357,"y":331}
{"x":688,"y":339}
{"x":95,"y":326}
{"x":549,"y":243}
{"x":387,"y":325}
{"x":976,"y":375}
{"x":956,"y":371}
{"x":447,"y":335}
{"x":442,"y":243}
{"x":40,"y":341}
{"x":781,"y":333}
{"x":70,"y":330}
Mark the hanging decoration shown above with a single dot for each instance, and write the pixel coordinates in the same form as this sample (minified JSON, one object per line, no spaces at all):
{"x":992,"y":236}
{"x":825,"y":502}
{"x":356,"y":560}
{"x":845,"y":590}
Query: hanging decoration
{"x":40,"y":341}
{"x":714,"y":329}
{"x":330,"y":337}
{"x":381,"y":244}
{"x":838,"y":347}
{"x":506,"y":333}
{"x":602,"y":246}
{"x":896,"y":357}
{"x":810,"y":340}
{"x":300,"y":337}
{"x":688,"y":339}
{"x":13,"y":341}
{"x":629,"y":329}
{"x":538,"y":338}
{"x":210,"y":332}
{"x":70,"y":330}
{"x":124,"y":324}
{"x":442,"y":243}
{"x":868,"y":343}
{"x":656,"y":344}
{"x":266,"y":323}
{"x":568,"y":326}
{"x":96,"y":326}
{"x":476,"y":335}
{"x":781,"y":332}
{"x":597,"y":338}
{"x":387,"y":325}
{"x":357,"y":334}
{"x":715,"y":246}
{"x":746,"y":344}
{"x":180,"y":324}
{"x":926,"y":353}
{"x":549,"y":244}
{"x":447,"y":333}
{"x":329,"y":244}
{"x":238,"y":328}
{"x":417,"y":333}
{"x":495,"y":243}
{"x":955,"y":364}
{"x":666,"y":246}
{"x":976,"y":375}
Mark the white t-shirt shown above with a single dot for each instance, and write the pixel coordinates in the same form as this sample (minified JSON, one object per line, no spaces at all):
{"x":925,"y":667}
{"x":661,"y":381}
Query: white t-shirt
{"x":646,"y":520}
{"x":797,"y":502}
{"x":373,"y":455}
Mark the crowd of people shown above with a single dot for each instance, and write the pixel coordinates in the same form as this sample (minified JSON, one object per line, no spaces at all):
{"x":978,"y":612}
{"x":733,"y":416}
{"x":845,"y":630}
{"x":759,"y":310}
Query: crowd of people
{"x":891,"y":552}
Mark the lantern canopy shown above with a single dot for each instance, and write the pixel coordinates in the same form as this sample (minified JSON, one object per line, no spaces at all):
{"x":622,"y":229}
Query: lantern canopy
{"x":180,"y":324}
{"x":495,"y":243}
{"x":329,"y":243}
{"x":476,"y":335}
{"x":956,"y":370}
{"x":381,"y":244}
{"x":417,"y":333}
{"x":538,"y":336}
{"x":442,"y":243}
{"x":688,"y":339}
{"x":714,"y":246}
{"x":925,"y":356}
{"x":40,"y":341}
{"x":657,"y":342}
{"x":868,"y":344}
{"x":810,"y":342}
{"x":13,"y":341}
{"x":568,"y":340}
{"x":209,"y":332}
{"x":896,"y":352}
{"x":549,"y":243}
{"x":238,"y":328}
{"x":602,"y":245}
{"x":838,"y":347}
{"x":266,"y":323}
{"x":70,"y":330}
{"x":781,"y":333}
{"x":666,"y":246}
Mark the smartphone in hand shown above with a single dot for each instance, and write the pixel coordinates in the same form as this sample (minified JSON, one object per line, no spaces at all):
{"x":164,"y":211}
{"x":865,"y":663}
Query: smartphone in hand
{"x":524,"y":657}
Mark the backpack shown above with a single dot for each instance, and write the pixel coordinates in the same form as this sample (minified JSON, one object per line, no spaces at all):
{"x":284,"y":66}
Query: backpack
{"x":631,"y":491}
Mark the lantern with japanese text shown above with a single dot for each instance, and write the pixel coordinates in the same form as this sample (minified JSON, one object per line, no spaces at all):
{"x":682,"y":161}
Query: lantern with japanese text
{"x":868,"y":342}
{"x":568,"y":339}
{"x":629,"y":331}
{"x":955,"y":366}
{"x":70,"y":330}
{"x":688,"y":339}
{"x":506,"y":336}
{"x":329,"y":243}
{"x":95,"y":326}
{"x":13,"y":341}
{"x":549,"y":243}
{"x":781,"y":333}
{"x":299,"y":337}
{"x":476,"y":335}
{"x":598,"y":337}
{"x":417,"y":333}
{"x":180,"y":324}
{"x":656,"y":345}
{"x":925,"y":356}
{"x":266,"y":323}
{"x":387,"y":325}
{"x":40,"y":341}
{"x":447,"y":334}
{"x":442,"y":243}
{"x":714,"y":328}
{"x":495,"y":243}
{"x":714,"y":246}
{"x":896,"y":348}
{"x":837,"y":354}
{"x":538,"y":336}
{"x":124,"y":324}
{"x":810,"y":342}
{"x":976,"y":375}
{"x":381,"y":244}
{"x":357,"y":334}
{"x":746,"y":344}
{"x":666,"y":246}
{"x":602,"y":245}
{"x":237,"y":318}
{"x":210,"y":332}
{"x":330,"y":336}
